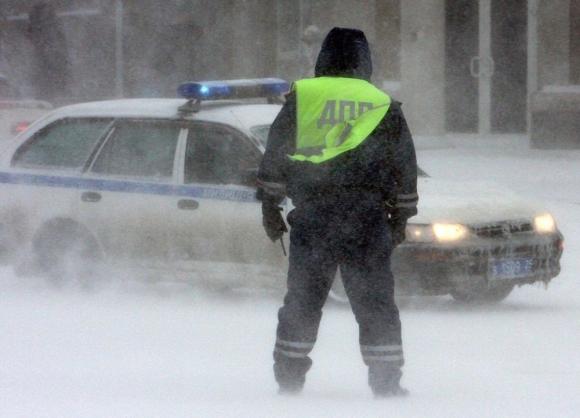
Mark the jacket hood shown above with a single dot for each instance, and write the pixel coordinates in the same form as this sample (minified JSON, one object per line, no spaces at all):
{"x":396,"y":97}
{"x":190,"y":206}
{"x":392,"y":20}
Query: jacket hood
{"x":344,"y":53}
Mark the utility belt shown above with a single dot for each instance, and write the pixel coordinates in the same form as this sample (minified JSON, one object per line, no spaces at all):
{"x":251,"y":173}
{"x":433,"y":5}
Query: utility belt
{"x":333,"y":195}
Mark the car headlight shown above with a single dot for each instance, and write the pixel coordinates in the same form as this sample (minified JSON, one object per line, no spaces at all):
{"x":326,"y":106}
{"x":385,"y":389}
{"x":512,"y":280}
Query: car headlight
{"x":419,"y":233}
{"x":449,"y":232}
{"x":544,"y":223}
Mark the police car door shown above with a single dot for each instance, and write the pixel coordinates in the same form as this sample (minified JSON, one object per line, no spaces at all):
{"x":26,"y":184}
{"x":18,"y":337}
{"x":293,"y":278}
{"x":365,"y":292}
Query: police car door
{"x":44,"y":182}
{"x":131,"y":192}
{"x":219,"y":179}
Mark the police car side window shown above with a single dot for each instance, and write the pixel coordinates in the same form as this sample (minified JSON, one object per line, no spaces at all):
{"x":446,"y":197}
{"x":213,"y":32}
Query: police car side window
{"x":217,"y":155}
{"x":65,"y":144}
{"x":139,"y":149}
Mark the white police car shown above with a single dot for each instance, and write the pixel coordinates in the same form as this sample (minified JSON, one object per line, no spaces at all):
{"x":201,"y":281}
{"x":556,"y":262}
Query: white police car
{"x":169,"y":185}
{"x":155,"y":182}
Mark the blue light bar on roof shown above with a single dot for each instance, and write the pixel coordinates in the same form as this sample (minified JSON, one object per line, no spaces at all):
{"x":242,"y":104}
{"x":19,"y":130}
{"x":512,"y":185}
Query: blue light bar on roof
{"x":233,"y":89}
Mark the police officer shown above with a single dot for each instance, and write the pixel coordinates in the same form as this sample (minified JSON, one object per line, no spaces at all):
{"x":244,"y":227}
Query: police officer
{"x":341,"y":150}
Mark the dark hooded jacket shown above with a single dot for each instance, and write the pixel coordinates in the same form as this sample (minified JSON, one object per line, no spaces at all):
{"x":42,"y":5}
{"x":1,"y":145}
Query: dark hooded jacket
{"x":383,"y":165}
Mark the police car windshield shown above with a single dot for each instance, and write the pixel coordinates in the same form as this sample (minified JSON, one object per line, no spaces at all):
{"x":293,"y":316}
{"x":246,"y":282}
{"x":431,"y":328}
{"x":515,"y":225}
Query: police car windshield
{"x":260,"y":132}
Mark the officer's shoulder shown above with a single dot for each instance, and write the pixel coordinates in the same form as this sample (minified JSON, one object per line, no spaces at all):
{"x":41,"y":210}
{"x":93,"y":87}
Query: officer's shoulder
{"x":395,"y":108}
{"x":290,"y":97}
{"x":396,"y":104}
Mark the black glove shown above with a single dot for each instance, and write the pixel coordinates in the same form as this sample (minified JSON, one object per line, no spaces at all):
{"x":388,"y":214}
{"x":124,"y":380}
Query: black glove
{"x":273,"y":221}
{"x":398,"y":227}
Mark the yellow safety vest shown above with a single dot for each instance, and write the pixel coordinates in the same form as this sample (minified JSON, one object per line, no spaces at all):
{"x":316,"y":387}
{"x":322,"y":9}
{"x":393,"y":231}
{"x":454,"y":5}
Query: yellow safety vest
{"x":335,"y":115}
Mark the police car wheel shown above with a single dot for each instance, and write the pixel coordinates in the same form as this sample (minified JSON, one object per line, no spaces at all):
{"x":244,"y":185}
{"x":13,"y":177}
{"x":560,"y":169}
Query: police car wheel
{"x":493,"y":294}
{"x":64,"y":251}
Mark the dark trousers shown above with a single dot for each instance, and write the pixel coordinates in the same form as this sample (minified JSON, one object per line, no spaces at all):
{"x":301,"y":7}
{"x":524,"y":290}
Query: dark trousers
{"x":353,"y":235}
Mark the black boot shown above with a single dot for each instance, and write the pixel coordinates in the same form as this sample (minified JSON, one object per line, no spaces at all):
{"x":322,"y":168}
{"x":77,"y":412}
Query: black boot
{"x":385,"y":381}
{"x":392,"y":391}
{"x":291,"y":374}
{"x":290,"y":389}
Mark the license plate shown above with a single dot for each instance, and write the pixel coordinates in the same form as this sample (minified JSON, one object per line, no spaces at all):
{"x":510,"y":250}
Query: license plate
{"x":510,"y":269}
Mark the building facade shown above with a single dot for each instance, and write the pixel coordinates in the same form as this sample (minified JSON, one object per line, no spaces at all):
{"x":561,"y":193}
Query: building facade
{"x":457,"y":65}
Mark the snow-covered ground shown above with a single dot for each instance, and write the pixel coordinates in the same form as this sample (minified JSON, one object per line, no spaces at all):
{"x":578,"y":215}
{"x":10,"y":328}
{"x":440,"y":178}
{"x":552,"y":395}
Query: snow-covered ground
{"x":168,"y":351}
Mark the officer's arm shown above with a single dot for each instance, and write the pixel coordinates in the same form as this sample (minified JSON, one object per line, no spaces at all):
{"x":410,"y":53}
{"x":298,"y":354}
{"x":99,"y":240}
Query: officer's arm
{"x":404,"y":167}
{"x":272,"y":172}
